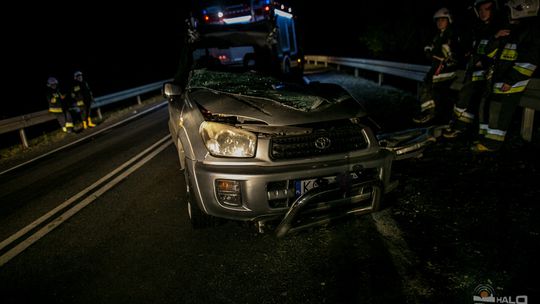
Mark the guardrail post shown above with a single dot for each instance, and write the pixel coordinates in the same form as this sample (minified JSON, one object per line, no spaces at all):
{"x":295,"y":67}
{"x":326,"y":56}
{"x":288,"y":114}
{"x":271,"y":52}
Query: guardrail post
{"x":381,"y":77}
{"x":338,"y":67}
{"x":23,"y":138}
{"x":356,"y":72}
{"x":139,"y":100}
{"x":99,"y":114}
{"x":326,"y":64}
{"x":527,"y":124}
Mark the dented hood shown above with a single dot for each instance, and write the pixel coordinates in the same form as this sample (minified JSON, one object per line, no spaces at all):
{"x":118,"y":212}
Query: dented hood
{"x":256,"y":97}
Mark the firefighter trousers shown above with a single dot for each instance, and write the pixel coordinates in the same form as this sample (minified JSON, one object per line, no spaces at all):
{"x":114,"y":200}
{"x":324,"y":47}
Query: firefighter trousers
{"x":85,"y":111}
{"x":501,"y":110}
{"x":64,"y":119}
{"x":472,"y":104}
{"x":435,"y":96}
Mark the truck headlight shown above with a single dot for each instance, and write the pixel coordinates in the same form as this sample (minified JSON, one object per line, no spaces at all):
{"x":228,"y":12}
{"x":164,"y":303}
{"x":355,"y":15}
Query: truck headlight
{"x":225,"y":140}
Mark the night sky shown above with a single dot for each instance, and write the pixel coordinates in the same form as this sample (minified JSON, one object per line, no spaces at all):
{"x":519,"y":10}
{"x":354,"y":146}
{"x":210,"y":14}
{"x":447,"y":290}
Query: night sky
{"x":122,"y":47}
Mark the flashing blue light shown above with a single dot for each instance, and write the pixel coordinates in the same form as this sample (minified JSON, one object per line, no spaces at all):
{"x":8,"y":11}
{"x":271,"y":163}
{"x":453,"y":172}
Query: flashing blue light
{"x":267,"y":2}
{"x":204,"y":12}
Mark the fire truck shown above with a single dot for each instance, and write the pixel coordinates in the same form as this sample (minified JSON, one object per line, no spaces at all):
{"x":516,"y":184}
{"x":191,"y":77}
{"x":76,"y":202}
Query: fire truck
{"x":239,"y":32}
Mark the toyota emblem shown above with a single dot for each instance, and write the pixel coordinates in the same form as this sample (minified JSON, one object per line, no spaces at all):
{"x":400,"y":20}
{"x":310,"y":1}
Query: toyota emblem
{"x":322,"y":143}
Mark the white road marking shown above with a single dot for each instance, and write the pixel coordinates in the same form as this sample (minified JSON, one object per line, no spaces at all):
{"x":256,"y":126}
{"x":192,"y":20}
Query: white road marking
{"x":161,"y":145}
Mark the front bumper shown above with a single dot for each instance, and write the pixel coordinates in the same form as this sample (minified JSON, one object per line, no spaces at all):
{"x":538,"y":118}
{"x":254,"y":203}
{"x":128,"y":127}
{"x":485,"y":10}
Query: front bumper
{"x":268,"y":192}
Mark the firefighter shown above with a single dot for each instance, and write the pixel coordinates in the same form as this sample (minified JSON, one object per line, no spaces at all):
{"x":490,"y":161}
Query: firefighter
{"x":83,"y":98}
{"x":58,"y":106}
{"x":475,"y":87}
{"x":436,"y":86}
{"x":515,"y":50}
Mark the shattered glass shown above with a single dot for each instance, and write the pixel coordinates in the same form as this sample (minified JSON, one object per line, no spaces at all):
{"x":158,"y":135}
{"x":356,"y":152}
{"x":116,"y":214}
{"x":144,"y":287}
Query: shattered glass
{"x":257,"y":85}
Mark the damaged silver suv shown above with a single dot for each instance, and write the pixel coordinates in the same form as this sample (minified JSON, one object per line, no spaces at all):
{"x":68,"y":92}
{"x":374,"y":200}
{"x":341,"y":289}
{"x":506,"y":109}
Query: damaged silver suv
{"x":255,"y":148}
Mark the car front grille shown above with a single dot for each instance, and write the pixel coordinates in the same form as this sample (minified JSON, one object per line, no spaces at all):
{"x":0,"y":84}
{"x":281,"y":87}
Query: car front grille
{"x":319,"y":142}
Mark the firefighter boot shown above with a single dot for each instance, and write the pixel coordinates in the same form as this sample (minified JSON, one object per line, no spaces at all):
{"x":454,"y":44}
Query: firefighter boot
{"x":451,"y":133}
{"x":69,"y":127}
{"x":90,"y":123}
{"x":456,"y":130}
{"x":480,"y":148}
{"x":84,"y":125}
{"x":486,"y":145}
{"x":424,"y":117}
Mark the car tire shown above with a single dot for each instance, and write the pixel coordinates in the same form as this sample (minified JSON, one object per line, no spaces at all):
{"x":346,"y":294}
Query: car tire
{"x":197,"y":217}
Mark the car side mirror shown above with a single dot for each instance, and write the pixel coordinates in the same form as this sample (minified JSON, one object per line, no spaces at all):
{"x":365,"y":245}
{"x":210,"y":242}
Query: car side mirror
{"x":171,"y":90}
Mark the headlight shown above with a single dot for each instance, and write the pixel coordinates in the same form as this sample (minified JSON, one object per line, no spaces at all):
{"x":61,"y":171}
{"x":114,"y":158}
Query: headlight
{"x":225,"y":140}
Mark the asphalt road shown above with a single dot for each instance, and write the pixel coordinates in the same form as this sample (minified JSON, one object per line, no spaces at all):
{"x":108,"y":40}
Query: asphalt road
{"x":133,"y":243}
{"x":456,"y":222}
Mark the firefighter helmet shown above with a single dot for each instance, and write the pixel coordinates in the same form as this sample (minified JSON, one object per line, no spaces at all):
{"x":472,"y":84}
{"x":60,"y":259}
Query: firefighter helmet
{"x":77,"y":74}
{"x":443,"y":13}
{"x":52,"y":81}
{"x":522,"y":8}
{"x":477,"y":4}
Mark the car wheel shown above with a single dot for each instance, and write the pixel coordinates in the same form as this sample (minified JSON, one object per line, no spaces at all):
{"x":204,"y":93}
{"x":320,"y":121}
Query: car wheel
{"x":197,"y":217}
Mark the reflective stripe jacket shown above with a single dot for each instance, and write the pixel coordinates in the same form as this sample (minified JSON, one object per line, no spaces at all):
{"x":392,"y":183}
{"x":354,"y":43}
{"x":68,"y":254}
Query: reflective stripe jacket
{"x":81,"y":93}
{"x":55,"y":100}
{"x":479,"y":62}
{"x":516,"y":56}
{"x":443,"y":47}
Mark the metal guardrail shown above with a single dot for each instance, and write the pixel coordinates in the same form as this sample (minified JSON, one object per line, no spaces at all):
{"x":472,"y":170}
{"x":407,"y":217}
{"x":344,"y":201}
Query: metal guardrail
{"x":24,"y":121}
{"x":405,"y":70}
{"x":530,"y":101}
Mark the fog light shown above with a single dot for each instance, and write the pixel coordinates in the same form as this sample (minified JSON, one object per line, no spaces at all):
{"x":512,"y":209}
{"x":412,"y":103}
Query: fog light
{"x":229,"y":192}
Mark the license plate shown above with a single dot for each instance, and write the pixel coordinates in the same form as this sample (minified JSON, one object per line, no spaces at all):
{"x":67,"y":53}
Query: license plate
{"x":302,"y":186}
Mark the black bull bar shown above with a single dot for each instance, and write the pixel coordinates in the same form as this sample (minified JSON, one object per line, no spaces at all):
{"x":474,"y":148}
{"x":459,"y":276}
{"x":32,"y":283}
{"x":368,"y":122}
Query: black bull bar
{"x":315,"y":209}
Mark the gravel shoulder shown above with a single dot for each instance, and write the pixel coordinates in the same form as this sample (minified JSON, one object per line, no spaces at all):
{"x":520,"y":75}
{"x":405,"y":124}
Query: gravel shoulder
{"x":469,"y":219}
{"x":472,"y":219}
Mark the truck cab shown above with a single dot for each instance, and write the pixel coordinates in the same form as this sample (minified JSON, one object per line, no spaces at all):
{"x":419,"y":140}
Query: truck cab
{"x":269,"y":24}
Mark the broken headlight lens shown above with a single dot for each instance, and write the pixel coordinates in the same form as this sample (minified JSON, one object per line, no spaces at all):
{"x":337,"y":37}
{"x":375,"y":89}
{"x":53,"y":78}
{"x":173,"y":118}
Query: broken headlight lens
{"x":225,"y":140}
